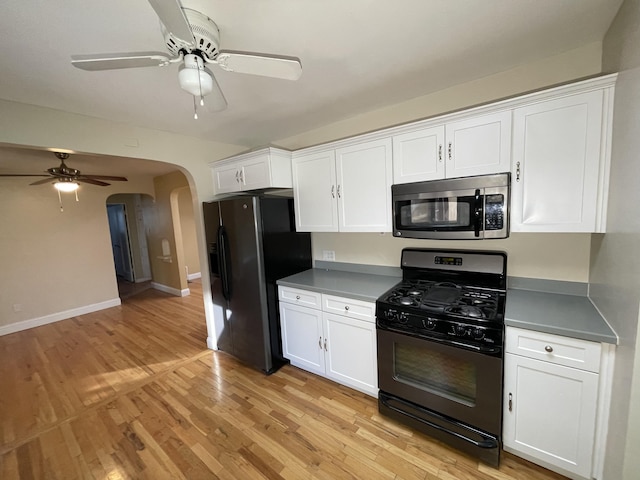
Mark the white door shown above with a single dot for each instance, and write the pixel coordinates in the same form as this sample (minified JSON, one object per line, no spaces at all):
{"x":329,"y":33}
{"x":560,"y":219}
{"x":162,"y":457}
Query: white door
{"x":120,"y":240}
{"x":364,"y":174}
{"x":315,"y":192}
{"x":419,"y":156}
{"x":550,"y":412}
{"x":350,"y":356}
{"x":255,"y":173}
{"x":556,"y":158}
{"x":302,"y":339}
{"x":479,"y":145}
{"x":226,"y":178}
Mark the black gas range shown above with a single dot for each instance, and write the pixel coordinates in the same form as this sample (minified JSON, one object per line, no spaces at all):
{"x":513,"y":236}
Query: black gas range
{"x":440,"y":347}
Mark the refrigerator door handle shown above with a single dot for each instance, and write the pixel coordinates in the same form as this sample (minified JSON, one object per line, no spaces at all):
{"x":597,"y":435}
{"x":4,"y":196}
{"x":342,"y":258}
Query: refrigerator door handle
{"x":225,"y":266}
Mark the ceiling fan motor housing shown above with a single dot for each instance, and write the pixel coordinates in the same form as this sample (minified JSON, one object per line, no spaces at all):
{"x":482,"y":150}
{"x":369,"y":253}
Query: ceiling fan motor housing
{"x":205,"y":34}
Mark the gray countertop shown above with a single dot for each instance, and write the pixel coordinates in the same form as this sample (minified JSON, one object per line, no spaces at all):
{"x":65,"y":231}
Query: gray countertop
{"x":359,"y":286}
{"x":568,"y":315}
{"x":558,"y":313}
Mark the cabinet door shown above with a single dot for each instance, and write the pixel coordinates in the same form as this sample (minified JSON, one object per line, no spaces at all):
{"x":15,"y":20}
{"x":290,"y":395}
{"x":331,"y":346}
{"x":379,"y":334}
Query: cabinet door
{"x":364,"y":175}
{"x":350,"y":356}
{"x":226,"y":178}
{"x":550,"y":413}
{"x":302,"y":339}
{"x":314,"y":191}
{"x":556,"y":159}
{"x":479,"y":145}
{"x":255,"y":173}
{"x":419,"y":156}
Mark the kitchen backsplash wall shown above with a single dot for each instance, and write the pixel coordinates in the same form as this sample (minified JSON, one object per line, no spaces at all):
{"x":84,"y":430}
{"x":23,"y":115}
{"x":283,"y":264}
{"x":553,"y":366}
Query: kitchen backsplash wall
{"x":534,"y":255}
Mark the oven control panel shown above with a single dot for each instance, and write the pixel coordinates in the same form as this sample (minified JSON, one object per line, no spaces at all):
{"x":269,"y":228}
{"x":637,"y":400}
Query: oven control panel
{"x":439,"y":328}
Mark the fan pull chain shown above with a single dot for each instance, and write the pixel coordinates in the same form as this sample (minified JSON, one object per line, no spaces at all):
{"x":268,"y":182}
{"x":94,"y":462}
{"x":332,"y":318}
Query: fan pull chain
{"x":200,"y":86}
{"x":195,"y":109}
{"x":60,"y":200}
{"x":76,"y":192}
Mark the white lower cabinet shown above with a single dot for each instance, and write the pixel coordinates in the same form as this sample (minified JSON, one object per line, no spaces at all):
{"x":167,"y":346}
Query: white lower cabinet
{"x":334,"y":337}
{"x":549,"y":407}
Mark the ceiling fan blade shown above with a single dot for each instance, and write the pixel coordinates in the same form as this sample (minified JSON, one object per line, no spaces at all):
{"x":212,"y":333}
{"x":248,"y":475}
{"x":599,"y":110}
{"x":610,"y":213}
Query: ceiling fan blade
{"x":215,"y":101}
{"x":92,"y":182}
{"x":172,"y":17}
{"x":112,"y":61}
{"x":102,"y":177}
{"x":287,"y":68}
{"x":22,"y":175}
{"x":43,"y":181}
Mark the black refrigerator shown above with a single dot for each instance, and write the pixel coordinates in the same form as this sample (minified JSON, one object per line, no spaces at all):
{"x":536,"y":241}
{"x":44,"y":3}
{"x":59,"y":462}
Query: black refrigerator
{"x":252,"y":242}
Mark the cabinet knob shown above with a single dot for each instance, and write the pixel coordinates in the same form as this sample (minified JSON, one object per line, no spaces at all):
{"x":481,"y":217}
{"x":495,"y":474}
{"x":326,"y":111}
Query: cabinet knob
{"x":297,"y":297}
{"x":548,"y":349}
{"x":333,"y":194}
{"x":510,"y":402}
{"x":320,"y":343}
{"x":346,"y":307}
{"x":325,"y":344}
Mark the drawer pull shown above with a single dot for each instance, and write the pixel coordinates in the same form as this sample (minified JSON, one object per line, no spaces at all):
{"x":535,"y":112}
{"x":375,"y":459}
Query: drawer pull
{"x":297,"y":297}
{"x":320,"y":343}
{"x":325,"y":344}
{"x":346,"y":307}
{"x":548,"y":349}
{"x":510,"y":402}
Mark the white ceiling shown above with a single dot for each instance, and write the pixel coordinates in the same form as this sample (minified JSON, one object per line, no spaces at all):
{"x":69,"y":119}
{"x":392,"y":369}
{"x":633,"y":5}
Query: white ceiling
{"x":357,"y":56}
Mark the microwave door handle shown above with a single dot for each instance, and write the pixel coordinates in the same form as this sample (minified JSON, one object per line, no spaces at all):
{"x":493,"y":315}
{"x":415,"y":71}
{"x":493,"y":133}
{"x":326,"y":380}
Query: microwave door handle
{"x":477,"y":210}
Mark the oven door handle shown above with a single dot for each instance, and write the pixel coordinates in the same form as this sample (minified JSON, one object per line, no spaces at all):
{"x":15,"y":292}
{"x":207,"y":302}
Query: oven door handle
{"x":486,"y":442}
{"x":452,"y":343}
{"x":478,"y":213}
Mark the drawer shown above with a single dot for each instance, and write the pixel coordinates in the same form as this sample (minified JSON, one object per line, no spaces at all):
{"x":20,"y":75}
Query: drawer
{"x":349,"y":307}
{"x":300,"y":297}
{"x":571,"y":352}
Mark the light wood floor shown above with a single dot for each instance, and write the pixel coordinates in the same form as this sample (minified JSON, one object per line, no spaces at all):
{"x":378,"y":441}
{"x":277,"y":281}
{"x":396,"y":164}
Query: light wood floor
{"x":131,"y":392}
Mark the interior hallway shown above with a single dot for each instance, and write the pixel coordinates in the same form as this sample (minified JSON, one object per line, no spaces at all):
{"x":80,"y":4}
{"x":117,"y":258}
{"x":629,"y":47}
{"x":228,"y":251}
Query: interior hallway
{"x":132,"y":392}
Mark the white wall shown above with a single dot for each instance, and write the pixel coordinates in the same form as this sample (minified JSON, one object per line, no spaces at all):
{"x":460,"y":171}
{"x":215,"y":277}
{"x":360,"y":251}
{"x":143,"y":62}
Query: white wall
{"x":615,"y":266}
{"x":558,"y":257}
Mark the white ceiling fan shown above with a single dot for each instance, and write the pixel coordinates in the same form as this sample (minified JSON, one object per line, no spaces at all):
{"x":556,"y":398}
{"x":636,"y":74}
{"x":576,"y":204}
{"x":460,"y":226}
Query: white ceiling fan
{"x":193,"y":40}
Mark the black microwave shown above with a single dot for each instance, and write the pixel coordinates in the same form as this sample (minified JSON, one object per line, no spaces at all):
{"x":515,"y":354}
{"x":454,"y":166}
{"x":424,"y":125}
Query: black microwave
{"x":466,"y":208}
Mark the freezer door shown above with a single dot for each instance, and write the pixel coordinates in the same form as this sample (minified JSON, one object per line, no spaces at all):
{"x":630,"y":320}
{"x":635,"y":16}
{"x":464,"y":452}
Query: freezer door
{"x":247,"y":304}
{"x":213,"y":235}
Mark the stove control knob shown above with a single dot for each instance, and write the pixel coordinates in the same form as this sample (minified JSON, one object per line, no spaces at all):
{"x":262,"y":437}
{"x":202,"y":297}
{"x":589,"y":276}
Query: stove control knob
{"x":477,"y":333}
{"x":390,"y":314}
{"x":402,"y":317}
{"x":429,"y":324}
{"x":460,"y":330}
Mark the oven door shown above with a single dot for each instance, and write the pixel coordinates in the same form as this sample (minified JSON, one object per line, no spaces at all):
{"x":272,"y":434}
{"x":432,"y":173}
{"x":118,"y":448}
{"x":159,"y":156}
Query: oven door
{"x":454,"y":382}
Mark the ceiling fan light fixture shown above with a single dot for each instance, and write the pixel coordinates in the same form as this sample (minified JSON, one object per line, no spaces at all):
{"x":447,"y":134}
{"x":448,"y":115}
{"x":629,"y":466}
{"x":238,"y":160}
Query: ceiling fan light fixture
{"x":194,"y":78}
{"x":66,"y":186}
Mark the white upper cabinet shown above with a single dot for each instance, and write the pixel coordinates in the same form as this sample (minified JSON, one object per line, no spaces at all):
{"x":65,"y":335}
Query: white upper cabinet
{"x":314,"y":192}
{"x":561,"y":164}
{"x":265,"y":168}
{"x":477,"y":145}
{"x":419,"y":155}
{"x":347,"y":189}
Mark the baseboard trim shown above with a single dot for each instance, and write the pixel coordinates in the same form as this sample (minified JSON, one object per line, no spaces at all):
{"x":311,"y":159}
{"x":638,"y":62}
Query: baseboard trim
{"x":143,"y":279}
{"x":194,"y":276}
{"x":56,"y":317}
{"x":171,"y":290}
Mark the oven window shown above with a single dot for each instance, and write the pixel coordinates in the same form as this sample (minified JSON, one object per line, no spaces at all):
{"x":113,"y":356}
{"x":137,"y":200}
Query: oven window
{"x":448,"y":213}
{"x":438,"y":373}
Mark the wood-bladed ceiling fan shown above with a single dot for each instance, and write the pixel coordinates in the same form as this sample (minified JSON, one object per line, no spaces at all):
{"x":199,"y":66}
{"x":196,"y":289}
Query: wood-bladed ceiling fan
{"x":193,"y":40}
{"x":66,"y":175}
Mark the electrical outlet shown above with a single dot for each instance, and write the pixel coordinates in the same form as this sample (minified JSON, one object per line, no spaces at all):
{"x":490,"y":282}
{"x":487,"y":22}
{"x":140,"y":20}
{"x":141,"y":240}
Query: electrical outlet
{"x":329,"y":255}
